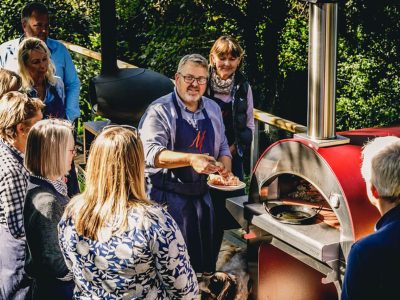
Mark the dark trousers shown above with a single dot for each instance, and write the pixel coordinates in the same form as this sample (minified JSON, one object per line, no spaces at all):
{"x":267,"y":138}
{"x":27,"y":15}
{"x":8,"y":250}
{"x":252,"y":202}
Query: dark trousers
{"x":51,"y":289}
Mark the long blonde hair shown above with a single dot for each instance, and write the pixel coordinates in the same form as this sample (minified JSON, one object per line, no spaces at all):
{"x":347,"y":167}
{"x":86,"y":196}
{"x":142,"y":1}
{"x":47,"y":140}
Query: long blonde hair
{"x":24,"y":51}
{"x":114,"y":183}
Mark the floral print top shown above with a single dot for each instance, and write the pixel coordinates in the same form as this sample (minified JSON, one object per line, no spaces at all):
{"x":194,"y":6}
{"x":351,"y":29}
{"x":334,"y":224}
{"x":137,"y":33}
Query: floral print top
{"x":147,"y":261}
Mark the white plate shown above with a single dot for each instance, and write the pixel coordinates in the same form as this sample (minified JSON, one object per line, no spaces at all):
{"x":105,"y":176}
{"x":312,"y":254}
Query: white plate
{"x":241,"y":185}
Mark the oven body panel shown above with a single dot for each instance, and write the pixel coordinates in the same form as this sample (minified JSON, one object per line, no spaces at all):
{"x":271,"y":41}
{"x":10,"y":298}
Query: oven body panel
{"x":282,"y":276}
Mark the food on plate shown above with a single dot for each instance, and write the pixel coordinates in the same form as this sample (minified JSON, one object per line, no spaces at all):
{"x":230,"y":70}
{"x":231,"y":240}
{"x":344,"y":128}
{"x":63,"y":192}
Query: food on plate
{"x":219,"y":180}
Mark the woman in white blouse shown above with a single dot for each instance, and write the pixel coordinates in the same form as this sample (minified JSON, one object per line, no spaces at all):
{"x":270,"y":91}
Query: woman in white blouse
{"x":117,"y":243}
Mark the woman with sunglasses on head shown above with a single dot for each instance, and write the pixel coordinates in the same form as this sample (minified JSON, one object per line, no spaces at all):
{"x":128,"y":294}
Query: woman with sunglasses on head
{"x":38,"y":80}
{"x":37,"y":72}
{"x":117,"y":243}
{"x":49,"y":152}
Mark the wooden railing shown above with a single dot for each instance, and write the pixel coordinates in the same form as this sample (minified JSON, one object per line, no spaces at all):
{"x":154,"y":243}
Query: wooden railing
{"x":259,"y":116}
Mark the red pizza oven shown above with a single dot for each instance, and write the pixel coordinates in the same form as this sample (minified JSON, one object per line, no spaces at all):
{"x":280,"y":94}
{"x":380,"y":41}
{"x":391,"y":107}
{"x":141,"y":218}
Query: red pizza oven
{"x":313,"y":178}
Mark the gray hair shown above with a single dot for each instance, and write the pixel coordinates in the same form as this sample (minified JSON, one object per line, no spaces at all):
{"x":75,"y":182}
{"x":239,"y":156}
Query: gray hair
{"x":195,"y":59}
{"x":381,"y":166}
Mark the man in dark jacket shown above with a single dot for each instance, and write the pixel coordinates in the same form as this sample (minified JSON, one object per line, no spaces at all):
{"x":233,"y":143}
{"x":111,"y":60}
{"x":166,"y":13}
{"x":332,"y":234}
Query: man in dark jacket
{"x":373,"y":265}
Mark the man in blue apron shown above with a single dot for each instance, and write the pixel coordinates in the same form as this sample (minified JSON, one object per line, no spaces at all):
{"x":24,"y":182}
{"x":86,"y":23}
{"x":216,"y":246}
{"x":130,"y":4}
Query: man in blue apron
{"x":18,"y":113}
{"x":184,"y":141}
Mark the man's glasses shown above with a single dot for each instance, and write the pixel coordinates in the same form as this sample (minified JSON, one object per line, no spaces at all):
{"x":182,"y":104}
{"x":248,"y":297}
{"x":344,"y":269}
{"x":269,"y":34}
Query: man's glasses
{"x":131,"y":128}
{"x":190,"y":78}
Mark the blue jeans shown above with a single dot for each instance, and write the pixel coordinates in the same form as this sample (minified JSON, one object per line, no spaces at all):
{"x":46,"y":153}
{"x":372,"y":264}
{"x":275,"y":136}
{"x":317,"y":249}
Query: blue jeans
{"x":14,"y":283}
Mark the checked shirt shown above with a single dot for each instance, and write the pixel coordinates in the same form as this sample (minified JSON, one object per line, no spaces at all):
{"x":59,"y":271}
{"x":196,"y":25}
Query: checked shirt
{"x":13,"y":184}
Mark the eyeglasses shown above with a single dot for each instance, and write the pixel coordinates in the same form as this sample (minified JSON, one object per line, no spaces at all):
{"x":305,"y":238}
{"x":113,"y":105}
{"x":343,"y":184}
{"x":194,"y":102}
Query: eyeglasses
{"x":190,"y":78}
{"x":74,"y":151}
{"x":131,"y":128}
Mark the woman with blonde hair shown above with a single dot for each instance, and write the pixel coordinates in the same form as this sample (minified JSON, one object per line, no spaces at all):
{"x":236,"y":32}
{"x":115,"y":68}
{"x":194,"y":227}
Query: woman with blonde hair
{"x":9,"y":81}
{"x":118,"y":243}
{"x":49,"y":152}
{"x":37,"y":72}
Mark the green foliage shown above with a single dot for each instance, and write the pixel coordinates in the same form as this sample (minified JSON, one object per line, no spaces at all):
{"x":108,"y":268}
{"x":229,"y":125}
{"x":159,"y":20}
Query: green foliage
{"x":368,"y":65}
{"x":368,"y":91}
{"x":71,"y":21}
{"x":293,"y":42}
{"x":274,"y":34}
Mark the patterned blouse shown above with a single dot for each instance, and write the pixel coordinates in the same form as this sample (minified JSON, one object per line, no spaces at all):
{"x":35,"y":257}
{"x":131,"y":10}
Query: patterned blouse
{"x":147,"y":261}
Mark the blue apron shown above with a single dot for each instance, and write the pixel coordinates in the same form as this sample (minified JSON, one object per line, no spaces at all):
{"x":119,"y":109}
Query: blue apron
{"x":53,"y":109}
{"x":186,"y":192}
{"x":14,"y":282}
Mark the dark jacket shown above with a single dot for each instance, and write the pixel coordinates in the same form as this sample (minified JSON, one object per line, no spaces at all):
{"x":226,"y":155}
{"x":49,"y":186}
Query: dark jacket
{"x":239,"y":133}
{"x":43,"y":209}
{"x":373,"y":265}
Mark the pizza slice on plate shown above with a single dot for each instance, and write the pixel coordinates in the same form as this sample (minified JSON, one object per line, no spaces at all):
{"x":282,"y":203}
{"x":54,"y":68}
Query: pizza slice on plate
{"x":219,"y":180}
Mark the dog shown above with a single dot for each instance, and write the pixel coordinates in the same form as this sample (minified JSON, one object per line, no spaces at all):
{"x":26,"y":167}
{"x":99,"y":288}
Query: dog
{"x":231,"y":282}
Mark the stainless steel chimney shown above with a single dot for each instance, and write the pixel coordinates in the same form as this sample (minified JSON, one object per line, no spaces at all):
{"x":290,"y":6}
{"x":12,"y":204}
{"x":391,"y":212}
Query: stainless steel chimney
{"x":321,"y":129}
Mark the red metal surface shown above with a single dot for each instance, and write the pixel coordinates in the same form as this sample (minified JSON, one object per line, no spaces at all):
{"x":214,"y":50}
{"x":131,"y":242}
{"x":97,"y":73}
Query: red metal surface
{"x":360,"y":136}
{"x":283,"y":277}
{"x":345,"y":162}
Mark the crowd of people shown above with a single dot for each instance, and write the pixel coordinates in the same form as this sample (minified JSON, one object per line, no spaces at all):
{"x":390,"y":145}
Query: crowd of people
{"x":147,"y":223}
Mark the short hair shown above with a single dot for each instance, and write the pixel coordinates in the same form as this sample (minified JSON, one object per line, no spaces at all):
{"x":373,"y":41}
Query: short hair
{"x":24,"y":51}
{"x":9,"y":81}
{"x":225,"y":45}
{"x":29,"y":8}
{"x":16,"y":108}
{"x":381,"y":166}
{"x":193,"y":58}
{"x":47,"y":148}
{"x":114,"y":182}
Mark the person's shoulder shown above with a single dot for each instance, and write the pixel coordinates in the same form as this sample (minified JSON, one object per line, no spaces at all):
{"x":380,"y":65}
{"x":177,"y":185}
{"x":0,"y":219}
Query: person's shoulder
{"x":385,"y":236}
{"x":55,"y":44}
{"x":210,"y":105}
{"x":163,"y":100}
{"x":9,"y":165}
{"x":372,"y":244}
{"x":43,"y":200}
{"x":9,"y":44}
{"x":155,"y":211}
{"x":209,"y":102}
{"x":162,"y":104}
{"x":240,"y":78}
